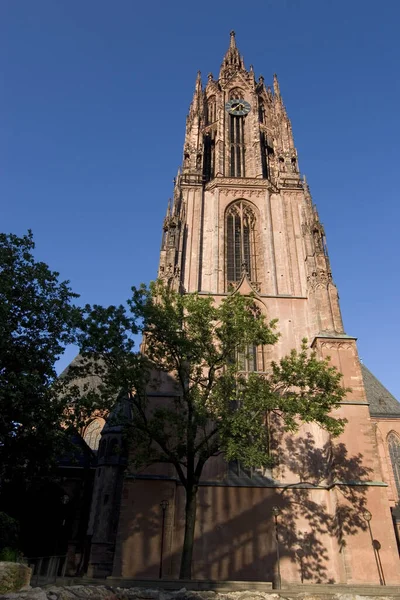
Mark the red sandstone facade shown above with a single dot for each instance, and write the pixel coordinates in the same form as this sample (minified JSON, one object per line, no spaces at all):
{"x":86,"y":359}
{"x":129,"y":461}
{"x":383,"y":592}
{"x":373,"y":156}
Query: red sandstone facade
{"x":242,"y":220}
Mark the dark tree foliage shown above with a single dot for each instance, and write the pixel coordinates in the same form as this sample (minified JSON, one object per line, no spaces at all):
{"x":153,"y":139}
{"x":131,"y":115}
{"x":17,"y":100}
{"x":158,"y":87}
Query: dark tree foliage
{"x":37,"y":320}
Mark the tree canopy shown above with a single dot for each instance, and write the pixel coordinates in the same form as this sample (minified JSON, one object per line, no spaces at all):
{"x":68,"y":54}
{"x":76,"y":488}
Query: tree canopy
{"x":217,"y":407}
{"x":37,"y":320}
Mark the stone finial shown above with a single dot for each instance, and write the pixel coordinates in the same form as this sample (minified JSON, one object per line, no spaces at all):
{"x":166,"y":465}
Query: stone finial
{"x":277,"y":90}
{"x":233,"y":40}
{"x":198,"y":81}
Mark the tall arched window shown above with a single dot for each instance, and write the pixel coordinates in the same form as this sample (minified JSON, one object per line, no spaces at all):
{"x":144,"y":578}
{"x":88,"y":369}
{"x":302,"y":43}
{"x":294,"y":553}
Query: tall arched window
{"x":236,"y":138}
{"x":261,"y":111}
{"x":93,"y":432}
{"x":240,"y":242}
{"x":209,"y":155}
{"x":211,"y":110}
{"x":394,"y":453}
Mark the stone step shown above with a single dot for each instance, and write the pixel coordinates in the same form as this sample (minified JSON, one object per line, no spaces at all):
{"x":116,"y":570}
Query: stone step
{"x":341,"y":589}
{"x":320,"y":591}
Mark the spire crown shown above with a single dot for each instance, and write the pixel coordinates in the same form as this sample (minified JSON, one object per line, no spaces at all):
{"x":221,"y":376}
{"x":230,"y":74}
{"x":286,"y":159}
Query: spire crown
{"x":196,"y":106}
{"x":232,"y":61}
{"x":277,"y":90}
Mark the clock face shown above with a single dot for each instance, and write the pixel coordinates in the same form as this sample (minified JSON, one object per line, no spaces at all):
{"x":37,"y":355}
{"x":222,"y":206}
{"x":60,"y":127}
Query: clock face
{"x":237,"y":107}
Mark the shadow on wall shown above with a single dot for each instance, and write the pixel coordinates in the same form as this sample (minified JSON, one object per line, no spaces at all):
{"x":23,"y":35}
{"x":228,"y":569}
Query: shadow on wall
{"x":304,"y":521}
{"x":235,"y":537}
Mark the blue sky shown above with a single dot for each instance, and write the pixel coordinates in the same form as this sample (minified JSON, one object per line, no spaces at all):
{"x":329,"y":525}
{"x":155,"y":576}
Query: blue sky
{"x":94,"y":96}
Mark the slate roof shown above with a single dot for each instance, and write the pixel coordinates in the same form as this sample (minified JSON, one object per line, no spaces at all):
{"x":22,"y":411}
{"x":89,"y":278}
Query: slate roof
{"x":381,"y":402}
{"x":92,"y":381}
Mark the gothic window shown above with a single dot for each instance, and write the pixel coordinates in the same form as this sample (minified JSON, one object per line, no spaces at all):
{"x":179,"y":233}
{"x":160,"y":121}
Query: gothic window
{"x":209,"y":155}
{"x":261,"y":111}
{"x":211,"y":110}
{"x":93,"y":432}
{"x":240,"y":242}
{"x":236,"y":139}
{"x":394,"y":453}
{"x":172,"y":235}
{"x":264,"y":154}
{"x":250,"y":359}
{"x":247,"y":359}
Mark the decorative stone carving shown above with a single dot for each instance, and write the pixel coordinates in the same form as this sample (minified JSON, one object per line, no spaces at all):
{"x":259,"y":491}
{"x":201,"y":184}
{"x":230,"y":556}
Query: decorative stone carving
{"x":240,"y":193}
{"x":342,"y":345}
{"x":319,"y":277}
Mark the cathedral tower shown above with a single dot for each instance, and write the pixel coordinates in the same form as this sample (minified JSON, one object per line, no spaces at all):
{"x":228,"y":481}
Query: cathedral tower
{"x":241,"y":212}
{"x":242,"y":220}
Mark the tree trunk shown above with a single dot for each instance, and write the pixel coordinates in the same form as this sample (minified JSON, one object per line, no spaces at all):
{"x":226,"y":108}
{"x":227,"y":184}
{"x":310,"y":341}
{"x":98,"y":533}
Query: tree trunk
{"x":190,"y":522}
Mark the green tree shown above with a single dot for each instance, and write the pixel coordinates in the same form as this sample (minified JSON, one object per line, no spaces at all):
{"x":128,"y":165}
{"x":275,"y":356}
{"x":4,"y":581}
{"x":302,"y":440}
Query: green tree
{"x":217,"y":408}
{"x":37,"y":320}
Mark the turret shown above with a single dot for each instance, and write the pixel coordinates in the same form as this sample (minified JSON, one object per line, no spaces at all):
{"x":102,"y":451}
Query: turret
{"x":232,"y":61}
{"x":193,"y":151}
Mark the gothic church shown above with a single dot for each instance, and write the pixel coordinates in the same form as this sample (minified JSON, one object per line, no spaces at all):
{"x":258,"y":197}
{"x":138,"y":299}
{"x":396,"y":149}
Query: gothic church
{"x":242,"y":220}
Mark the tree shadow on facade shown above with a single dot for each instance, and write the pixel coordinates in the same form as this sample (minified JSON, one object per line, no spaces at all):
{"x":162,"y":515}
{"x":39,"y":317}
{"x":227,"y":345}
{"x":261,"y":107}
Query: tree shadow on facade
{"x":235,"y":536}
{"x":305,"y":520}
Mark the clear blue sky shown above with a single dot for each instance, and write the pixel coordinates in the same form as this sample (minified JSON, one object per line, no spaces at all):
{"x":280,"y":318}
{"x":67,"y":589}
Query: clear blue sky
{"x":93,"y":103}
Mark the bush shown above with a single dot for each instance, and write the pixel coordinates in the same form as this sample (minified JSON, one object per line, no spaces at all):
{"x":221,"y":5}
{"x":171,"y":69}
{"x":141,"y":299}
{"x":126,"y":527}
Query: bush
{"x":9,"y":535}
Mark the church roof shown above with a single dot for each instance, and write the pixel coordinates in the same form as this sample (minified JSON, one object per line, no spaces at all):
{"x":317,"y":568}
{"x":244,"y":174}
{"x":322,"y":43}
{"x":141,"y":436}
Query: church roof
{"x":381,"y":402}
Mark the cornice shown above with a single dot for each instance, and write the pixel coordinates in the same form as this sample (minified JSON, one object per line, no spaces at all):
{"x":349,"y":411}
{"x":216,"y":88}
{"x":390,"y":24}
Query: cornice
{"x":241,"y":183}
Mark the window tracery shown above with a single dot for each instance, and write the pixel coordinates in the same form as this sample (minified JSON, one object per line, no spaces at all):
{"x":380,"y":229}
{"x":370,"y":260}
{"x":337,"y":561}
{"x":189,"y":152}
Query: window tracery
{"x":394,"y":453}
{"x":211,"y":110}
{"x":236,"y":94}
{"x":248,"y":358}
{"x":240,"y":242}
{"x":93,"y":432}
{"x":209,"y":155}
{"x":237,"y":146}
{"x":261,"y":111}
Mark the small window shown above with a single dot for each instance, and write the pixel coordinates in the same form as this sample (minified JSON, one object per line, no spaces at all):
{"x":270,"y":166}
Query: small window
{"x":247,"y":359}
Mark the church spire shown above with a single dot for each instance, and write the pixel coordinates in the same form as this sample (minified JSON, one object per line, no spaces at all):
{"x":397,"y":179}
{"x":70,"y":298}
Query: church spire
{"x":277,"y":89}
{"x":232,"y":61}
{"x":196,"y":106}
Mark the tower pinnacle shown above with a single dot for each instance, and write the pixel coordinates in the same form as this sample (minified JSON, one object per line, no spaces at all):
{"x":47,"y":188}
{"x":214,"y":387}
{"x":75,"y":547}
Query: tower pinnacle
{"x":232,"y":61}
{"x":277,"y":90}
